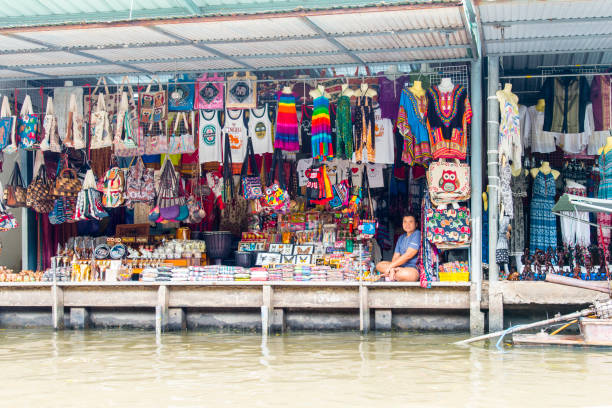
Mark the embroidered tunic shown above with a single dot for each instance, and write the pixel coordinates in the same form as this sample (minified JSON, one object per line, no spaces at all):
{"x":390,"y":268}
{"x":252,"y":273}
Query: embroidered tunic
{"x":412,"y":125}
{"x":448,"y":115}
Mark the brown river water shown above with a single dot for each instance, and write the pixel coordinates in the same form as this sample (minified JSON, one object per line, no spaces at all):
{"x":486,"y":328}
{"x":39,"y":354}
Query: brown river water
{"x":135,"y":369}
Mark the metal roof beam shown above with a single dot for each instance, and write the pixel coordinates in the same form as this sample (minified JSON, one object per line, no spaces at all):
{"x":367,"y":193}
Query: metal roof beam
{"x":555,"y":52}
{"x":52,"y":47}
{"x":555,"y":38}
{"x":471,"y":22}
{"x":332,"y":40}
{"x":206,"y":48}
{"x":190,"y":6}
{"x":581,"y":20}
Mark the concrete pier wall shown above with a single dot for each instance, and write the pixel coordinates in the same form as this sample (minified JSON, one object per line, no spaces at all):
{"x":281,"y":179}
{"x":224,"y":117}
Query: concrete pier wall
{"x":279,"y":306}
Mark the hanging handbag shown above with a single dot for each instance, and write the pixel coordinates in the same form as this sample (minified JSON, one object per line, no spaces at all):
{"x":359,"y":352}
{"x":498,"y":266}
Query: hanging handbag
{"x":249,"y":179}
{"x":38,"y":195}
{"x":101,"y":136}
{"x":112,"y":187}
{"x":27,"y":125}
{"x":234,"y":213}
{"x":156,"y":141}
{"x":139,"y":183}
{"x":111,"y":101}
{"x":7,"y":220}
{"x":74,"y":126}
{"x":448,"y":182}
{"x":241,"y":92}
{"x":7,"y":125}
{"x":153,"y":105}
{"x":51,"y":140}
{"x":169,"y":201}
{"x":181,"y":94}
{"x":67,"y":184}
{"x":127,"y":137}
{"x":448,"y":228}
{"x":181,"y":141}
{"x":209,"y":92}
{"x":15,"y":193}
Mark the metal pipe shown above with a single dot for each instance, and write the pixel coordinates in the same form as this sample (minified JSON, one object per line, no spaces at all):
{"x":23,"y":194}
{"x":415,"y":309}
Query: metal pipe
{"x":577,"y":74}
{"x":476,"y":175}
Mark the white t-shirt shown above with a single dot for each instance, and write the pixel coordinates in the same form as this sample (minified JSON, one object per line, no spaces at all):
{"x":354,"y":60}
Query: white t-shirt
{"x":260,"y":130}
{"x":385,"y":144}
{"x":337,"y":170}
{"x":302,"y":166}
{"x":356,"y":171}
{"x":209,"y":144}
{"x":375,"y":175}
{"x":236,"y":131}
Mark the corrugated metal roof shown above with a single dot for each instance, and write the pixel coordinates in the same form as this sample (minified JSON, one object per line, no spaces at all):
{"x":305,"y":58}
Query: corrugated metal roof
{"x":437,"y":18}
{"x":13,"y":74}
{"x":97,"y":37}
{"x":258,"y":42}
{"x":437,"y":55}
{"x":42,"y":58}
{"x":8,"y":43}
{"x":276,"y":47}
{"x":36,"y":12}
{"x":512,"y":11}
{"x":241,"y":29}
{"x":314,"y":60}
{"x":366,"y":42}
{"x":148,"y":53}
{"x":82,"y":70}
{"x":531,"y":27}
{"x":179,"y":66}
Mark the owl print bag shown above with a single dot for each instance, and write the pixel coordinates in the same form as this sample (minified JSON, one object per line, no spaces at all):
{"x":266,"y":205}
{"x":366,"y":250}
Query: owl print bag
{"x":448,"y":182}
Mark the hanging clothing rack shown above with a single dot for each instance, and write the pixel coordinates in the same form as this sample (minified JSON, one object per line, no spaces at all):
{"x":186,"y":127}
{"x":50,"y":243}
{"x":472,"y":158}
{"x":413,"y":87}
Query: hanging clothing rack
{"x":294,"y":80}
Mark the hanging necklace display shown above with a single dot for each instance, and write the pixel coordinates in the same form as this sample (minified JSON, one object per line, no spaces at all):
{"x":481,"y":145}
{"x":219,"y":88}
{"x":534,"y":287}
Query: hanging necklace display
{"x":241,"y":91}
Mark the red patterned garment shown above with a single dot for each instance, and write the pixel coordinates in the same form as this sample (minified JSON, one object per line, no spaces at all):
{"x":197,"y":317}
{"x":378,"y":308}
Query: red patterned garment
{"x":448,"y":115}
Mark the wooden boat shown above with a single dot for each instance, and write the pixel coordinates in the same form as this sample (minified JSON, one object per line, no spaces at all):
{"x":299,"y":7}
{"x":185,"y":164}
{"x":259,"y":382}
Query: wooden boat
{"x":593,"y":333}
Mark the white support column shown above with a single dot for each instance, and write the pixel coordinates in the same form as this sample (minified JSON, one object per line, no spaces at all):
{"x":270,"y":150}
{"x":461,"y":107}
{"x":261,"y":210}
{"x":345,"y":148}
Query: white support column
{"x":496,"y":312}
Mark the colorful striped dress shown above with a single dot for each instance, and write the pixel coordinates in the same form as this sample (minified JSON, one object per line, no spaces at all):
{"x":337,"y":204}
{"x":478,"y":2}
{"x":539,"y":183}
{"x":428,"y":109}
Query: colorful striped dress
{"x":321,"y":130}
{"x":286,"y":135}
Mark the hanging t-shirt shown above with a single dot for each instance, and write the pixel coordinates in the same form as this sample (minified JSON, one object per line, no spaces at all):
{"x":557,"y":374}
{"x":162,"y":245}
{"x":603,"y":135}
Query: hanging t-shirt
{"x":375,"y":175}
{"x":302,"y":166}
{"x":260,"y":130}
{"x":337,"y":170}
{"x":385,"y":143}
{"x":209,"y":134}
{"x":356,"y":171}
{"x":236,"y":131}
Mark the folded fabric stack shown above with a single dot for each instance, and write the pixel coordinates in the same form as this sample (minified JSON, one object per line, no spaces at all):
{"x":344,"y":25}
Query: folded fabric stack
{"x":180,"y":274}
{"x":319,"y":273}
{"x":287,"y":271}
{"x":302,"y":273}
{"x":226,"y":273}
{"x":148,"y":275}
{"x":204,"y":273}
{"x":334,"y":275}
{"x":259,"y":274}
{"x":164,"y":274}
{"x":275,"y":274}
{"x":242,"y":275}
